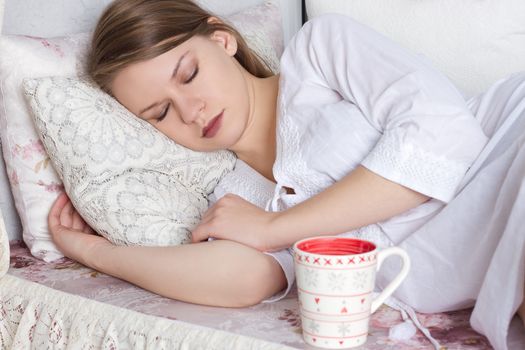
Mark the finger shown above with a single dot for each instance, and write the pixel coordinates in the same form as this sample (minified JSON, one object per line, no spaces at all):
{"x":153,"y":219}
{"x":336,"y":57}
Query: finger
{"x":54,"y":214}
{"x":206,"y":217}
{"x":200,"y":234}
{"x":232,"y":199}
{"x":66,"y":216}
{"x":84,"y":227}
{"x":78,"y":222}
{"x":88,"y":229}
{"x":205,"y":220}
{"x":59,"y":204}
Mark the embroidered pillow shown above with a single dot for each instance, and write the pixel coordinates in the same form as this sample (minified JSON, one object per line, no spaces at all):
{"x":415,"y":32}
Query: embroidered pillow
{"x":34,"y":183}
{"x":130,"y":182}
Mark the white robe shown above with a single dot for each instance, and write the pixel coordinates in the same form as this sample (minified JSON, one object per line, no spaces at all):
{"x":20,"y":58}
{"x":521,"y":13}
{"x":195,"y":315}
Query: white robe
{"x":349,"y":96}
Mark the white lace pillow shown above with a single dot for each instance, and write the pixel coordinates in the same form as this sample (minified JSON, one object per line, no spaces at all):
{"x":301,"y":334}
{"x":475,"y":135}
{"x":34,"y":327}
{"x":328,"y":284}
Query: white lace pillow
{"x":34,"y":183}
{"x":131,"y":183}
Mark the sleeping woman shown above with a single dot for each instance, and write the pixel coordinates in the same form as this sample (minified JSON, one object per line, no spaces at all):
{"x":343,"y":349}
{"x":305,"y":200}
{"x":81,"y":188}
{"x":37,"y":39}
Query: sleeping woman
{"x":356,"y":136}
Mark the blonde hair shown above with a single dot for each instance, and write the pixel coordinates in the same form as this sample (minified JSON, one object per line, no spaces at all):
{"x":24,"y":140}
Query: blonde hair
{"x":131,"y":31}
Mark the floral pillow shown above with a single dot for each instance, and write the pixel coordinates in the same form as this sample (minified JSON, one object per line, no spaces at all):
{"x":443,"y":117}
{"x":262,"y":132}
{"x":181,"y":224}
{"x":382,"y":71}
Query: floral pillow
{"x":4,"y":248}
{"x":34,"y":182}
{"x":130,"y":183}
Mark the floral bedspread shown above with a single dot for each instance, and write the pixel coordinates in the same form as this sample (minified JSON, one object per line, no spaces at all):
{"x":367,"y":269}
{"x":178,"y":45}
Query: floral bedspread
{"x":275,"y":322}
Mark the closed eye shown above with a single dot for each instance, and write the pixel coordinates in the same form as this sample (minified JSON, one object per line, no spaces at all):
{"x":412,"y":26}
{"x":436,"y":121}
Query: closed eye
{"x":195,"y":72}
{"x":163,"y":115}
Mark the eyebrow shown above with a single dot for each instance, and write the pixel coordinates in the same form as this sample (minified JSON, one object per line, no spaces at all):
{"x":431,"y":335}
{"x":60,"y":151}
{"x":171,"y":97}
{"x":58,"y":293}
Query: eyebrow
{"x":172,"y":75}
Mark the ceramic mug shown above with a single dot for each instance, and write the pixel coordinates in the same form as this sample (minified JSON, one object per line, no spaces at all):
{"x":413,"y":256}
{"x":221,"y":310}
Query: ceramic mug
{"x":335,"y":280}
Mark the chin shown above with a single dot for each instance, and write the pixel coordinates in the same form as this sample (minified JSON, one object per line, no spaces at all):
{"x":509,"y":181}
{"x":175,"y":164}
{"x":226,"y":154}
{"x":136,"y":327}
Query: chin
{"x":211,"y":148}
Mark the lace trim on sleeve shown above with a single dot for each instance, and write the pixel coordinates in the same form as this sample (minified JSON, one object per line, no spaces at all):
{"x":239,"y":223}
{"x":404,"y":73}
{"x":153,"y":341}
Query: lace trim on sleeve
{"x":409,"y":165}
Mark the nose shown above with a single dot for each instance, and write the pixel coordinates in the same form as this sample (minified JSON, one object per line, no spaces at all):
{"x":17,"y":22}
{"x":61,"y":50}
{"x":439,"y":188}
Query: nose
{"x":191,"y":109}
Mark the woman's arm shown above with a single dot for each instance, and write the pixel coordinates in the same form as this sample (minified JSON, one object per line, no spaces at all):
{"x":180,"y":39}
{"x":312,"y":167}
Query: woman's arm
{"x":218,"y":273}
{"x":359,"y":199}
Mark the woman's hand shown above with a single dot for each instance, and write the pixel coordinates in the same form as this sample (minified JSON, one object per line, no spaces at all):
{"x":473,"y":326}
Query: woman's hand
{"x":73,"y":237}
{"x":235,"y":219}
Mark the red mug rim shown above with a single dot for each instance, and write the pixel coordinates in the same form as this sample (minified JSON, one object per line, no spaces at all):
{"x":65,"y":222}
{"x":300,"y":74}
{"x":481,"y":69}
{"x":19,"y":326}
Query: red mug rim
{"x":329,"y":245}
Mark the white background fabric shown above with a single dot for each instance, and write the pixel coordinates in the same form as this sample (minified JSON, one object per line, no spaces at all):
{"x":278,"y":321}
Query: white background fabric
{"x":473,"y":42}
{"x":51,"y":18}
{"x":2,"y":5}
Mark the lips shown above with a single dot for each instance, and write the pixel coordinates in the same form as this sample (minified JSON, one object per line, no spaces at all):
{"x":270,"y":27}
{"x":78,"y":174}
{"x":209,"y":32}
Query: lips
{"x":213,"y":126}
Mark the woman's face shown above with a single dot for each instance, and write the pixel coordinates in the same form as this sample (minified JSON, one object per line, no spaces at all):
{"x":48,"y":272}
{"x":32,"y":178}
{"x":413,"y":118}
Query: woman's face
{"x":196,"y":93}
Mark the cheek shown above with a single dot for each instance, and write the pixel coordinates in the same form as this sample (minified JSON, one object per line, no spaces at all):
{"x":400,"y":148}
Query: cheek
{"x":181,"y":134}
{"x":167,"y":129}
{"x":226,"y":78}
{"x":162,"y":128}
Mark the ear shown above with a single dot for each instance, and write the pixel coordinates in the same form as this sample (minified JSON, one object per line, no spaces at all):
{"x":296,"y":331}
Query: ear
{"x":224,"y":39}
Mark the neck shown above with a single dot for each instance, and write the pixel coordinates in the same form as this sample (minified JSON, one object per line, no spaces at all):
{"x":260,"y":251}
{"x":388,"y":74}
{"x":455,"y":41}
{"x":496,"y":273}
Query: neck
{"x":258,"y":144}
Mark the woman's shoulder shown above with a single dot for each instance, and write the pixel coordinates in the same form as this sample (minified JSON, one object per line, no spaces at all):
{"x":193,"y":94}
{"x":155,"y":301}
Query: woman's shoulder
{"x":322,"y":31}
{"x":318,"y":34}
{"x":329,"y":22}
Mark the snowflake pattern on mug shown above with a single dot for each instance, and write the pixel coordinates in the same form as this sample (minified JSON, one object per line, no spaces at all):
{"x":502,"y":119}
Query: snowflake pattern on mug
{"x":344,"y":329}
{"x":360,"y":279}
{"x":313,"y":326}
{"x":311,"y":277}
{"x":337,"y":281}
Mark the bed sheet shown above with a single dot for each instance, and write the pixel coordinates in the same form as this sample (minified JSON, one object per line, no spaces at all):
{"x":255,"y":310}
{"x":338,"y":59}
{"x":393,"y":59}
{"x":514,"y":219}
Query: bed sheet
{"x":278,"y":322}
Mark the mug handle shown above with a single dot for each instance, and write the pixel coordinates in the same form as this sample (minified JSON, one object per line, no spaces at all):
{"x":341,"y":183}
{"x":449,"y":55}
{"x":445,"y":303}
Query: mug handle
{"x":381,"y":256}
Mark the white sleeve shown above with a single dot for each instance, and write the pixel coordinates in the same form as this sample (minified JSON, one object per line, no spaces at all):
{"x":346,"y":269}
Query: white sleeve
{"x":245,"y":182}
{"x":429,"y":136}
